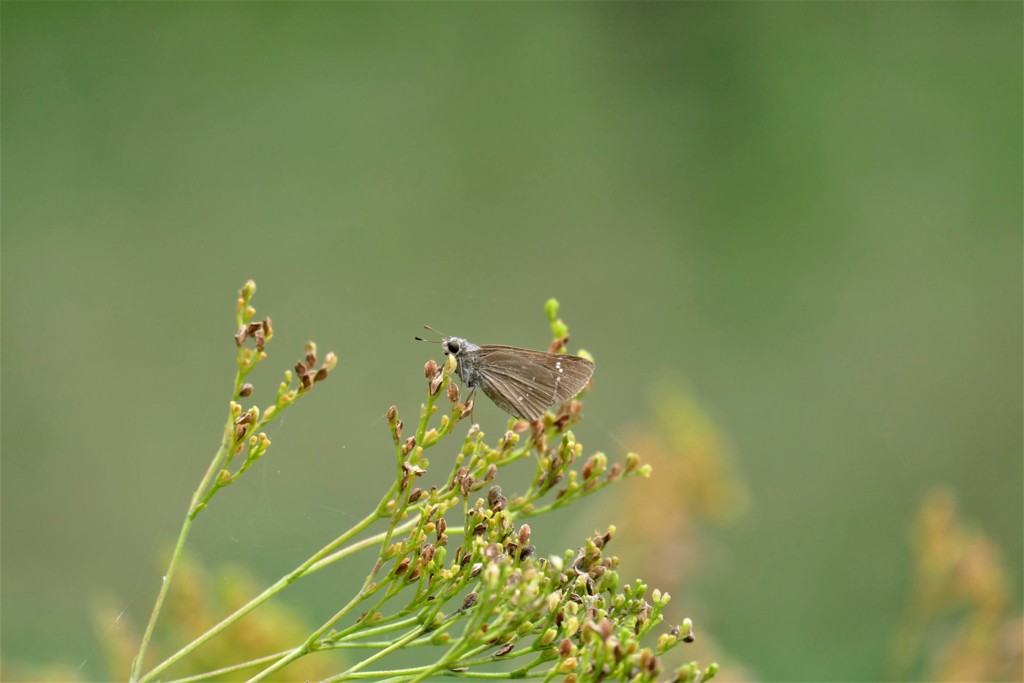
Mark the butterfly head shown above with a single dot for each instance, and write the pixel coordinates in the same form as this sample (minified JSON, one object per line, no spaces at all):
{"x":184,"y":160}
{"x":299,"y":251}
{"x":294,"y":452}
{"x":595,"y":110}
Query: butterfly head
{"x":454,"y":346}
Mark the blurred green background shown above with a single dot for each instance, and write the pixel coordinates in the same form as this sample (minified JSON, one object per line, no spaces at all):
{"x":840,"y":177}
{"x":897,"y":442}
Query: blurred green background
{"x":808,"y":213}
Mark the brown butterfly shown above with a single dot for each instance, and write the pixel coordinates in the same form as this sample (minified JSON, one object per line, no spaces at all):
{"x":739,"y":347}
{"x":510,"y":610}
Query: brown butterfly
{"x":522,"y":382}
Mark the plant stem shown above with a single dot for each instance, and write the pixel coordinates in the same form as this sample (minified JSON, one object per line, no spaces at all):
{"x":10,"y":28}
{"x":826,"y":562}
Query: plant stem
{"x":412,"y":635}
{"x":306,"y":646}
{"x":207,"y":675}
{"x":280,"y":584}
{"x":193,"y":509}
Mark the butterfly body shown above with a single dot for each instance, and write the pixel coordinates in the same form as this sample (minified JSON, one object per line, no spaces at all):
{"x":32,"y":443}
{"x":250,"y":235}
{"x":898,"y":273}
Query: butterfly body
{"x":522,"y":382}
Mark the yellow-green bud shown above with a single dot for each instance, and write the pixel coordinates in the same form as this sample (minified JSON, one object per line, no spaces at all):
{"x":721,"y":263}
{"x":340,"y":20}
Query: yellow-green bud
{"x":567,"y":665}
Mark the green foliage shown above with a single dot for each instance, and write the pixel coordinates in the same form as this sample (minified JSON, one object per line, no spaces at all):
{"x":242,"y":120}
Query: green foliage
{"x":471,"y":594}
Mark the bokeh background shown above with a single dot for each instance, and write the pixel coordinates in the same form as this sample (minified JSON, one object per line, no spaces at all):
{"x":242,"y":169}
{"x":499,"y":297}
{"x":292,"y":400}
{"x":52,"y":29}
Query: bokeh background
{"x":804,"y":218}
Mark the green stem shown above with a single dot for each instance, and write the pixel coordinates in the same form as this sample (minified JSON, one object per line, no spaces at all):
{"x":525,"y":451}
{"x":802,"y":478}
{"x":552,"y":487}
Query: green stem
{"x":279,"y":585}
{"x":409,"y":637}
{"x":207,"y":675}
{"x":377,"y":630}
{"x":355,"y":547}
{"x":307,"y":646}
{"x":193,"y":509}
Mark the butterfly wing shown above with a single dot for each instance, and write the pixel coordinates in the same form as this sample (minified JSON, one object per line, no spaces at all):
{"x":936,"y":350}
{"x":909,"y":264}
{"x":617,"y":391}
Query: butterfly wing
{"x":525,"y":383}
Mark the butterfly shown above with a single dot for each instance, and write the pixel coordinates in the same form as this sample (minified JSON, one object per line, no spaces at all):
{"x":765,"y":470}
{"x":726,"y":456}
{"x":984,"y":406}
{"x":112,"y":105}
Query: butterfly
{"x":522,"y":382}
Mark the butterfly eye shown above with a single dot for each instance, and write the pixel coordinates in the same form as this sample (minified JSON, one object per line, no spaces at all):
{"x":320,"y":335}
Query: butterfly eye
{"x":453,"y":347}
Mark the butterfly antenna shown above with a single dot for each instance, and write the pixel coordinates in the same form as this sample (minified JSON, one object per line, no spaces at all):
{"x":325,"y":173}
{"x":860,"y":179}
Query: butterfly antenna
{"x":428,"y":327}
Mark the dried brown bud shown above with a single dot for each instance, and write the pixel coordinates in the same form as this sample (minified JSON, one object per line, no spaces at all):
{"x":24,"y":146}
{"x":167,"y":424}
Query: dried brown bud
{"x":301,"y":369}
{"x":504,"y":649}
{"x":565,"y":647}
{"x":252,"y":328}
{"x":453,"y":392}
{"x":310,"y":354}
{"x":415,"y":494}
{"x":402,"y":567}
{"x":479,"y":529}
{"x":524,"y":534}
{"x":441,"y":526}
{"x":415,"y":470}
{"x":430,"y":369}
{"x":261,"y":339}
{"x":244,"y":419}
{"x":492,"y":471}
{"x":240,"y":432}
{"x":495,"y":500}
{"x":409,"y":444}
{"x":427,"y":554}
{"x":240,"y":337}
{"x":267,"y":327}
{"x":246,"y":390}
{"x":435,"y":384}
{"x":458,"y":477}
{"x":307,"y":380}
{"x":320,"y":375}
{"x":558,"y":345}
{"x":392,"y":414}
{"x":469,"y":601}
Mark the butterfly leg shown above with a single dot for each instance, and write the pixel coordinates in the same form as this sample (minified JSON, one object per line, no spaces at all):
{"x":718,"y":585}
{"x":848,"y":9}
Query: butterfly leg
{"x":470,"y":403}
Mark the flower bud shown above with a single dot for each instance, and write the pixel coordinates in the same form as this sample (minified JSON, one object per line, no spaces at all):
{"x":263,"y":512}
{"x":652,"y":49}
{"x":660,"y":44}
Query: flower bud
{"x":567,"y":665}
{"x":687,"y":631}
{"x":632,"y":462}
{"x":450,"y":364}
